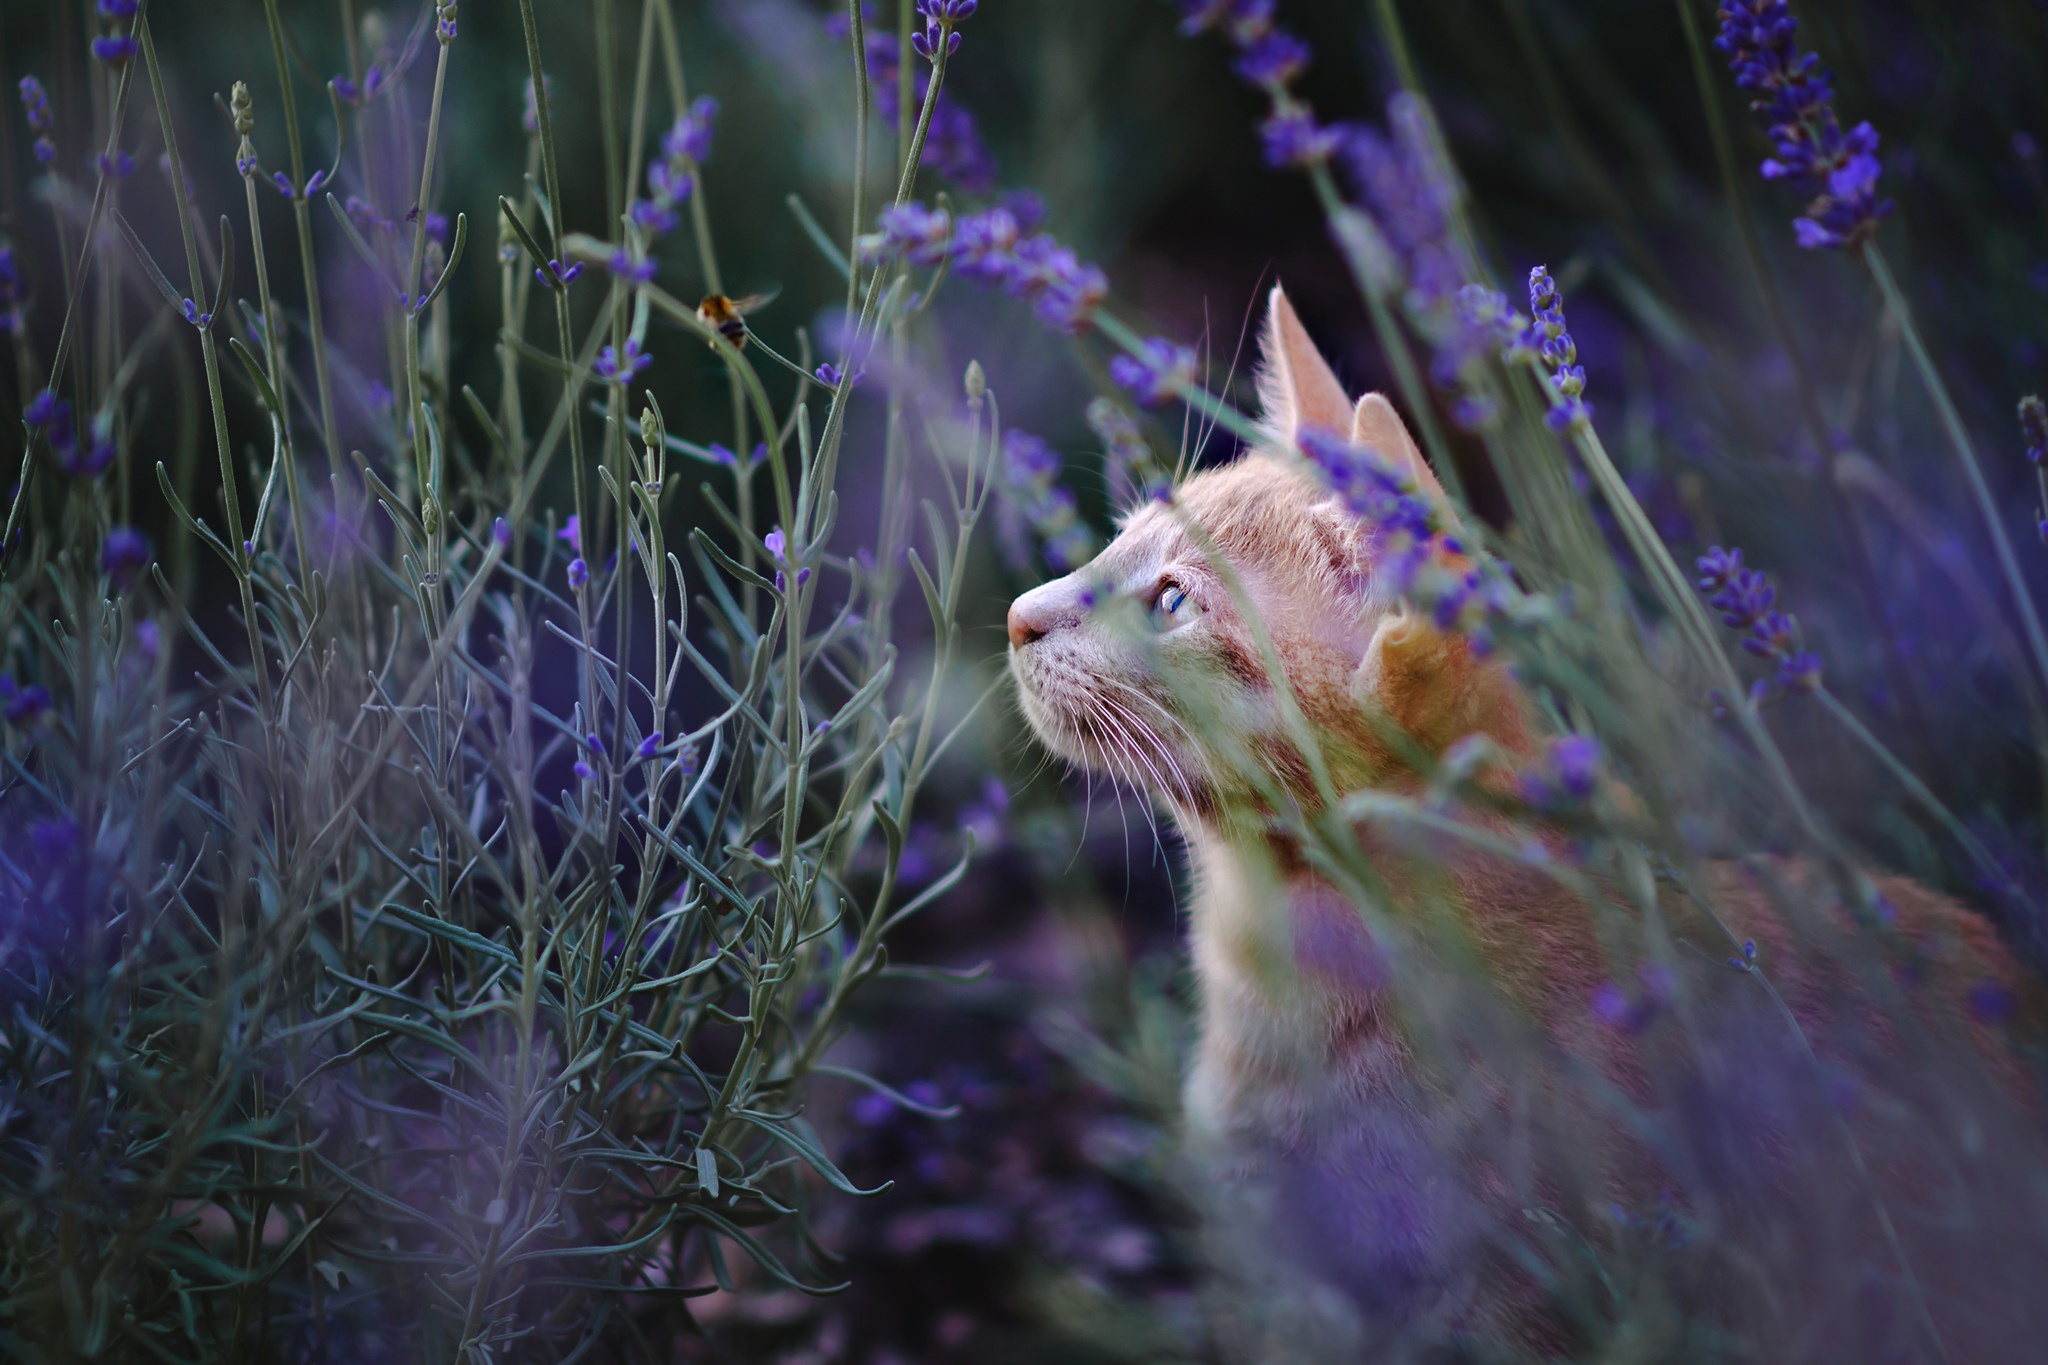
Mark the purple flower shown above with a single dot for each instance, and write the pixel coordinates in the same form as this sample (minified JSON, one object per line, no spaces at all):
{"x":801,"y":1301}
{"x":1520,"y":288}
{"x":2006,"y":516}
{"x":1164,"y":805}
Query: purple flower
{"x":1198,"y":16}
{"x":1164,"y":370}
{"x":501,"y":533}
{"x":985,"y":246}
{"x":1748,"y":602}
{"x":620,"y":367}
{"x":691,"y":135}
{"x":828,"y":374}
{"x":1273,"y":60}
{"x":1800,"y":671}
{"x":940,"y":16}
{"x":927,"y":43}
{"x":1617,"y":1010}
{"x":123,"y":555}
{"x":912,"y":231}
{"x":579,"y":574}
{"x":1293,"y":138}
{"x":50,"y":414}
{"x":1033,"y":502}
{"x":556,"y":275}
{"x":776,"y":543}
{"x":113,"y":48}
{"x":2033,"y":425}
{"x":117,"y":9}
{"x":35,"y":102}
{"x":648,"y":747}
{"x":1559,"y":353}
{"x":23,"y":706}
{"x":673,"y":178}
{"x":10,"y":292}
{"x":572,"y":532}
{"x":1795,"y":94}
{"x":1567,"y":776}
{"x":119,"y":166}
{"x":194,"y":316}
{"x":97,"y":458}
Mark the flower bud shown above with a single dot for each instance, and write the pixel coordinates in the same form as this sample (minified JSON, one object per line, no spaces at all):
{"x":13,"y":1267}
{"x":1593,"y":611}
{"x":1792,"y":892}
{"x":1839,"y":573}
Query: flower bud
{"x":977,"y":384}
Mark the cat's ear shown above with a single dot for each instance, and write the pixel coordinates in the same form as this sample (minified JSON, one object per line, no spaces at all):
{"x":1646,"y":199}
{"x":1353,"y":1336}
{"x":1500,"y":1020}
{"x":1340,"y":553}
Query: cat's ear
{"x":1375,"y":425}
{"x":1419,"y":676}
{"x":1296,"y":387}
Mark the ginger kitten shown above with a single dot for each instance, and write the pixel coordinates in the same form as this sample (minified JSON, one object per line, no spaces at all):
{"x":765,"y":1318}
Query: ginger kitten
{"x":1305,"y":1087}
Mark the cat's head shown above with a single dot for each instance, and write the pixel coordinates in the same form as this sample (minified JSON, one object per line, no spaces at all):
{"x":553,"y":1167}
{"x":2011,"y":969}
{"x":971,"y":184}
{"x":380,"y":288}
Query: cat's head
{"x":1142,"y":665}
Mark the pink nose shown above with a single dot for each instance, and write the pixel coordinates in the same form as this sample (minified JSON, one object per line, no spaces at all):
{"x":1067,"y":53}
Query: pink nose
{"x":1022,"y":630}
{"x":1045,"y":609}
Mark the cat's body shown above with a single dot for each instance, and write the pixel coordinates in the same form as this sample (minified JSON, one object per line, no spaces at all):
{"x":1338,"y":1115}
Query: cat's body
{"x":1307,"y":1087}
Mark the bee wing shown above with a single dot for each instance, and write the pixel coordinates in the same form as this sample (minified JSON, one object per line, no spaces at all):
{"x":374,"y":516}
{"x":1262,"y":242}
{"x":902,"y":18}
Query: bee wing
{"x":755,"y":302}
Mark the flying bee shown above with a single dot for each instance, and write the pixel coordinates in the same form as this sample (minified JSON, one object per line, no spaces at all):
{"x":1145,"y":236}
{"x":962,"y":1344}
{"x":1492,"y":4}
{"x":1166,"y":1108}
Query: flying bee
{"x":728,"y":317}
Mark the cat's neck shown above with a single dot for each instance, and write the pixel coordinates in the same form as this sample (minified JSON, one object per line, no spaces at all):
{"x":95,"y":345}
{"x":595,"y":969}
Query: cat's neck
{"x":1291,"y":989}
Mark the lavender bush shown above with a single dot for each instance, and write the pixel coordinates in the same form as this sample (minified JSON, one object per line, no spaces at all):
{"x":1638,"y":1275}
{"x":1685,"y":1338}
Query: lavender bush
{"x":488,"y":735}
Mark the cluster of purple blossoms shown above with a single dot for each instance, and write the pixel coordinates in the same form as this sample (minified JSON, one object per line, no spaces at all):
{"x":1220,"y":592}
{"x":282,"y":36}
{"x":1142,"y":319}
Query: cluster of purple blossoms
{"x":621,"y":366}
{"x":35,"y":102}
{"x":2033,"y":427}
{"x":940,"y":17}
{"x":953,"y":149}
{"x":1794,"y":92}
{"x":1035,"y":501}
{"x":1270,"y":58}
{"x":1414,"y":553}
{"x":116,"y":44}
{"x":1135,"y":474}
{"x":1618,"y":1010}
{"x":1164,"y":370}
{"x":444,"y":21}
{"x":1748,"y":602}
{"x":315,"y":182}
{"x":579,"y":569}
{"x":1560,"y":355}
{"x":990,"y":247}
{"x":11,"y":296}
{"x":587,"y":765}
{"x":360,"y":92}
{"x":1566,"y":776}
{"x":1410,"y":191}
{"x":1407,"y":529}
{"x":673,"y":178}
{"x":23,"y":706}
{"x":123,"y":555}
{"x":52,"y":416}
{"x":777,"y":546}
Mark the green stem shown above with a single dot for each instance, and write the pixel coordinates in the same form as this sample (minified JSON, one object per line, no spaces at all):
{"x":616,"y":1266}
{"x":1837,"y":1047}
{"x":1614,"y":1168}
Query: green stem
{"x":1965,"y":451}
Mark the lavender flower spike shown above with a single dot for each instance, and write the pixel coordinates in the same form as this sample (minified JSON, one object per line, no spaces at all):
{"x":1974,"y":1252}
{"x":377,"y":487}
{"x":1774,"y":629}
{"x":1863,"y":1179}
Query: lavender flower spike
{"x":1795,"y":93}
{"x":1558,"y":352}
{"x":1164,"y":370}
{"x":1748,"y":602}
{"x":35,"y":102}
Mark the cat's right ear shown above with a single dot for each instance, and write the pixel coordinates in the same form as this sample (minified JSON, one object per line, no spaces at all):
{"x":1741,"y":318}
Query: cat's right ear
{"x":1296,"y":386}
{"x":1376,"y":426}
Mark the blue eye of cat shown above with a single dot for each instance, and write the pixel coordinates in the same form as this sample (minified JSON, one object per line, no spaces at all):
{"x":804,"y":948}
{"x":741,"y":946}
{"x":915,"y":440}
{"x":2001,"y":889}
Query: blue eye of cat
{"x":1174,"y":605}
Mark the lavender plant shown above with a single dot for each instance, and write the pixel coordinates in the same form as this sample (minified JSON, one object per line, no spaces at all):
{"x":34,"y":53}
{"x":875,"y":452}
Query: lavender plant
{"x":456,"y":834}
